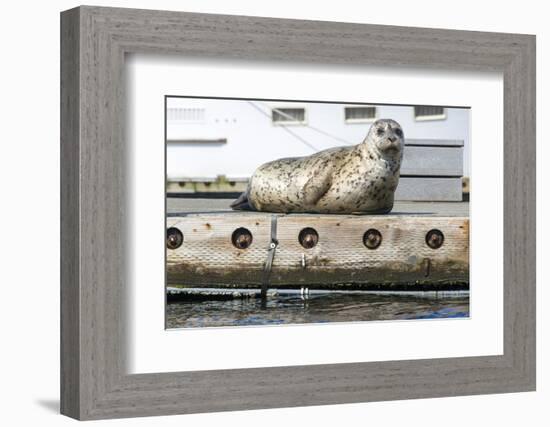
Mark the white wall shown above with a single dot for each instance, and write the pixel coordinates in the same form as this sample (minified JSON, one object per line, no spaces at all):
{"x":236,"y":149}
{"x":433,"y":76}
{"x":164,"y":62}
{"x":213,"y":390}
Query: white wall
{"x":29,"y":176}
{"x":247,"y":128}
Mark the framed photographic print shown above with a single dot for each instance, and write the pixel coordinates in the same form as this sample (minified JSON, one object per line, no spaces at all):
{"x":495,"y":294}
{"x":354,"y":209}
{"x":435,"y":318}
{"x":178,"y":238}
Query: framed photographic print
{"x":327,"y":266}
{"x":350,"y":209}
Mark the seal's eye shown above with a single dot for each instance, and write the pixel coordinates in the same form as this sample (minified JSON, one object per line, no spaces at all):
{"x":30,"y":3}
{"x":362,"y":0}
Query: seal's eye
{"x":398,"y":132}
{"x":379,"y":131}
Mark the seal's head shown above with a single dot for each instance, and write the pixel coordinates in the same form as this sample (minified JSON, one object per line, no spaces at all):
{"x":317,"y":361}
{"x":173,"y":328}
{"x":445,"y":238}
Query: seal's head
{"x":386,"y":138}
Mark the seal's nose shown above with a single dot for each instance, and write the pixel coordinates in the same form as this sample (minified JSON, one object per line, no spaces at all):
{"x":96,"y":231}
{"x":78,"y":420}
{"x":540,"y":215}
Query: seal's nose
{"x":392,"y":139}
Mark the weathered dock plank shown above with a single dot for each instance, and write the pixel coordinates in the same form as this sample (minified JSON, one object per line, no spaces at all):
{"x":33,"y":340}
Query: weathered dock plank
{"x":208,"y":257}
{"x":181,"y":206}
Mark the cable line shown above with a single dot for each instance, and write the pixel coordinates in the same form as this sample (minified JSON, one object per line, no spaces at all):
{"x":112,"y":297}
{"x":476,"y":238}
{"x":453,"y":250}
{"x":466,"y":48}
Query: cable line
{"x":322,"y":132}
{"x":299,"y":138}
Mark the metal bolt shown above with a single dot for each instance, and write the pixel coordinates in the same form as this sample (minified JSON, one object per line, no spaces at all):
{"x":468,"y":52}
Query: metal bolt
{"x":435,"y":238}
{"x":308,"y":237}
{"x":241,"y":238}
{"x":174,"y":238}
{"x":372,"y":238}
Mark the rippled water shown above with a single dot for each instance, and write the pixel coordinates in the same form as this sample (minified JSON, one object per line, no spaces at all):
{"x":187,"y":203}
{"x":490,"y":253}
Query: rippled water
{"x":317,"y":308}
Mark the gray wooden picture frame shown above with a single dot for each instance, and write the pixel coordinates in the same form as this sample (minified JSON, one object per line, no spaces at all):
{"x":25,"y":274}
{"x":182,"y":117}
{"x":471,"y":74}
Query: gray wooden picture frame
{"x":94,"y":382}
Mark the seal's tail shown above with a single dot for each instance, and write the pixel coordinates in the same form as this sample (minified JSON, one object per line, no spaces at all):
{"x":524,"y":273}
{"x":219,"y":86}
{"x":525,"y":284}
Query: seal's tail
{"x":242,"y":203}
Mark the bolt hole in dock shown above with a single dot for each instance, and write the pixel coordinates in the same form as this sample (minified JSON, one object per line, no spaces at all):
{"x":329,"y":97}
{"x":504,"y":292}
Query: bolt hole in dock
{"x":372,"y":238}
{"x":308,"y":237}
{"x":174,"y":238}
{"x":241,"y":238}
{"x":435,"y":239}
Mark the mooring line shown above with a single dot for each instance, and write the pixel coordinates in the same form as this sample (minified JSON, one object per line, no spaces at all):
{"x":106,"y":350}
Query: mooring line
{"x":271,"y":249}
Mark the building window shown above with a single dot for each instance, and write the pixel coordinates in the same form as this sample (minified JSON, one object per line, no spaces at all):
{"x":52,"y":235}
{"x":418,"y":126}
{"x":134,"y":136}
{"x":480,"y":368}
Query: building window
{"x":186,"y":115}
{"x":429,"y":112}
{"x":286,"y":116}
{"x":360,"y":114}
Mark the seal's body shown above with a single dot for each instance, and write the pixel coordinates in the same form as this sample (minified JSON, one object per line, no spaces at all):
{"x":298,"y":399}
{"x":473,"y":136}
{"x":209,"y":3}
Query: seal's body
{"x":355,"y":179}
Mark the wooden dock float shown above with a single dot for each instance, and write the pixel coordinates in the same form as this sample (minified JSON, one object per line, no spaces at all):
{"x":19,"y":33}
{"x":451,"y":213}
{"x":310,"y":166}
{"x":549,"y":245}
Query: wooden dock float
{"x":225,"y":248}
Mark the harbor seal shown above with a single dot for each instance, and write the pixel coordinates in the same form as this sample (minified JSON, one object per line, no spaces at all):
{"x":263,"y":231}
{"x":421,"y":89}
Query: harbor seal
{"x":355,"y":179}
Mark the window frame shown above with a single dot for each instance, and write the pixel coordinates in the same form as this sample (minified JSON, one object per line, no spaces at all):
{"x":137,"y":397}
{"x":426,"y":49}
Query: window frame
{"x":289,"y":123}
{"x":359,"y":121}
{"x":431,"y":117}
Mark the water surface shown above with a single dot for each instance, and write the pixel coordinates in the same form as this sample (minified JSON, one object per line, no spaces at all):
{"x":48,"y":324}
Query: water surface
{"x":322,"y":307}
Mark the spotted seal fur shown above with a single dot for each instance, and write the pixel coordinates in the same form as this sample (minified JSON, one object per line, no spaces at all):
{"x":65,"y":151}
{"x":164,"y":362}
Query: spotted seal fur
{"x":355,"y":179}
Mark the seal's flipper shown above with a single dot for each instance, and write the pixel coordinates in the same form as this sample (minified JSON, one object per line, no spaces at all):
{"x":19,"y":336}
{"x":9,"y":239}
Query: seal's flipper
{"x":316,"y":187}
{"x":242,"y":203}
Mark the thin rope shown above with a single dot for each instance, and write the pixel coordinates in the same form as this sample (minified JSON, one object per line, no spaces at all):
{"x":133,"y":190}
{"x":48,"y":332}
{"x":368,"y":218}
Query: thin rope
{"x":322,"y":132}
